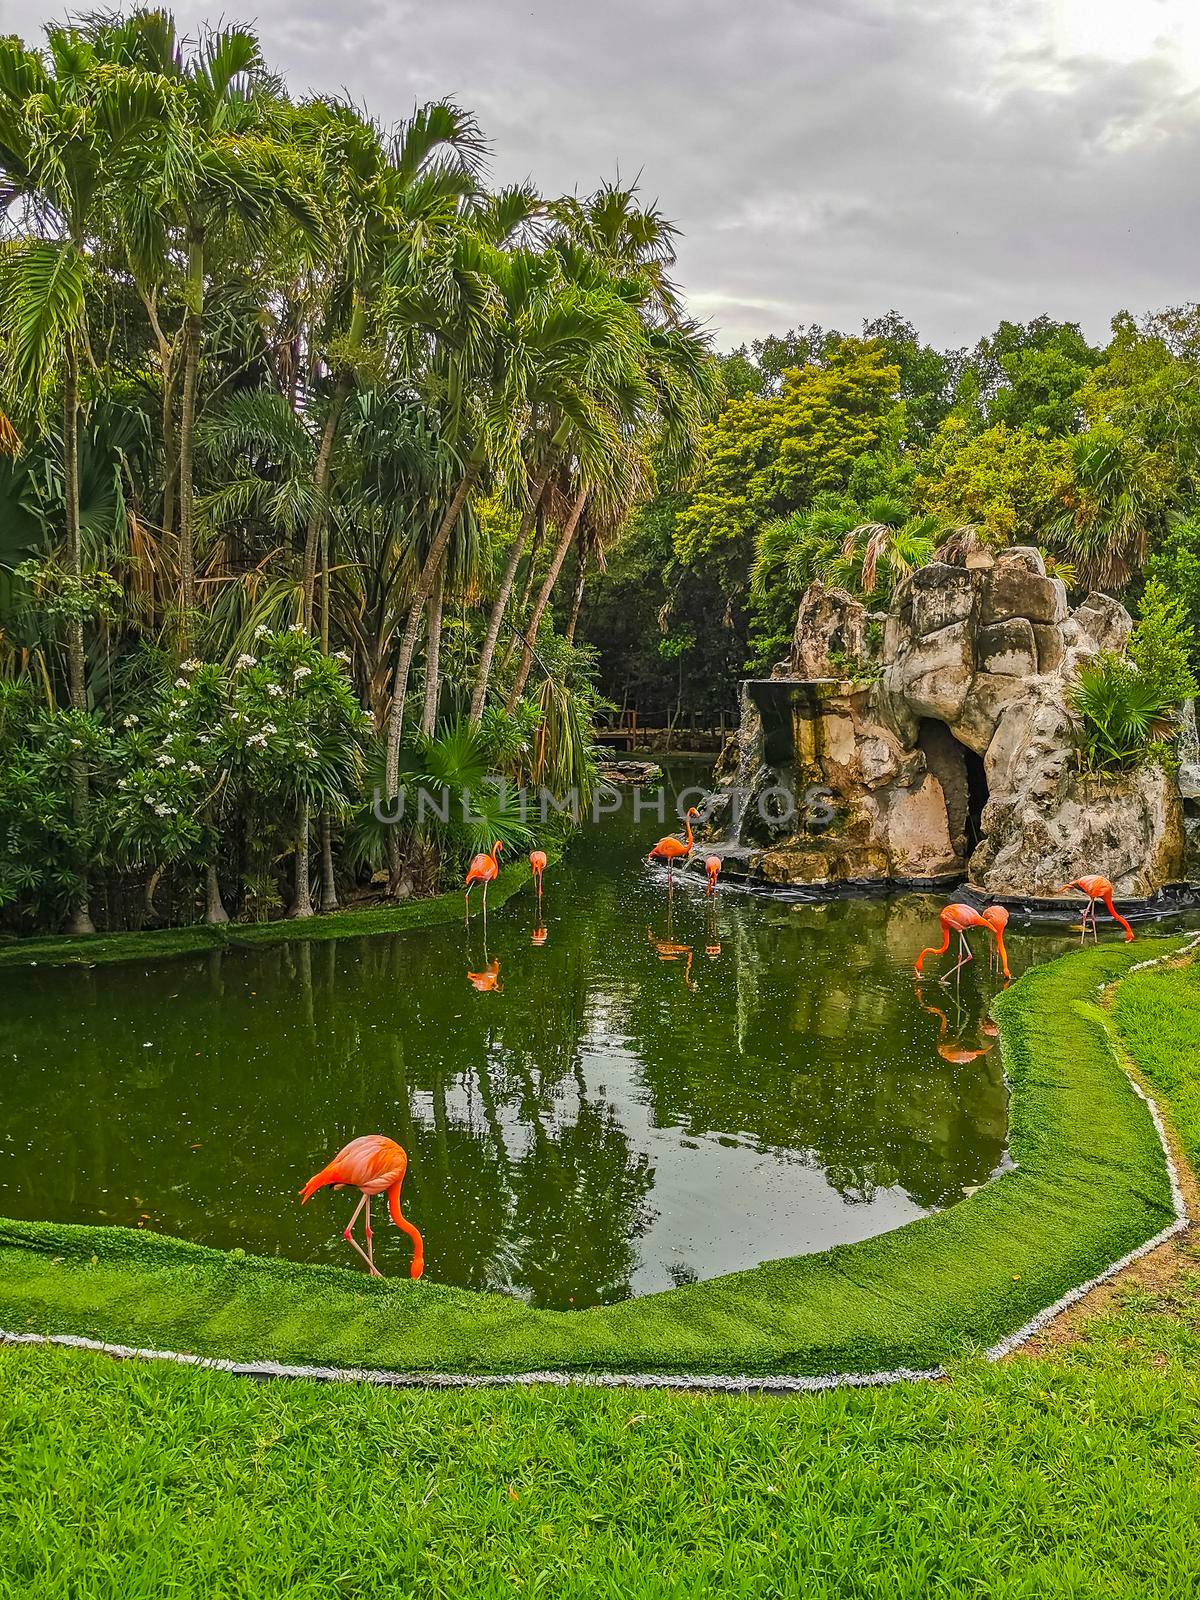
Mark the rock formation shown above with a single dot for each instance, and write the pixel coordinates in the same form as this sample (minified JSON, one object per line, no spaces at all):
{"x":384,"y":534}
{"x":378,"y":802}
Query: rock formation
{"x":950,"y":754}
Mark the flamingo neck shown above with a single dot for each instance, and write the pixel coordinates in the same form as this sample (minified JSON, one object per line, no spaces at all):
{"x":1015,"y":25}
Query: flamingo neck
{"x":1116,"y":915}
{"x":687,"y":823}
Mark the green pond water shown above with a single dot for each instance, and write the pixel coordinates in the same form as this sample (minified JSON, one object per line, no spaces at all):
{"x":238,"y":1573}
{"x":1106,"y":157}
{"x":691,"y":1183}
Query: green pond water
{"x":661,"y":1091}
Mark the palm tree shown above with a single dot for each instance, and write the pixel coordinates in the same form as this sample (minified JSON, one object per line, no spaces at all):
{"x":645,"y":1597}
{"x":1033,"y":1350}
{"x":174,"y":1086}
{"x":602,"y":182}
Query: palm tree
{"x":229,"y":170}
{"x":389,"y":202}
{"x":70,"y":129}
{"x":1118,"y":497}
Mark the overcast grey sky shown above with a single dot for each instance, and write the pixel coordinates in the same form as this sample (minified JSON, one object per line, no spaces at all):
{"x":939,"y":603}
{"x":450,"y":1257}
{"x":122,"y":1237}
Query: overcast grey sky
{"x":959,"y":160}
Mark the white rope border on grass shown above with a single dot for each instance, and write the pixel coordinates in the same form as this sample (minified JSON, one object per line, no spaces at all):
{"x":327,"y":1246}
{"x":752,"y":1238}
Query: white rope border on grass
{"x":773,"y":1384}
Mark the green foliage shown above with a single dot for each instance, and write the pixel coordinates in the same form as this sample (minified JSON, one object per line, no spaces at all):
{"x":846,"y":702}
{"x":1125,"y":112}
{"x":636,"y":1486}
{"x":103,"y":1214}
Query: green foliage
{"x":1029,"y":376}
{"x":1176,"y":565}
{"x":1119,"y":712}
{"x":45,"y":845}
{"x":1116,"y":500}
{"x":1005,"y":482}
{"x":1126,"y":704}
{"x":767,"y":456}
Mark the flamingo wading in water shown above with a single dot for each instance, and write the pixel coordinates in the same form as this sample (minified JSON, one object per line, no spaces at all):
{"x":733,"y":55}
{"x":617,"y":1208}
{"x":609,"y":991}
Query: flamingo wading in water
{"x":375,"y":1165}
{"x":1096,"y":888}
{"x":483,"y":869}
{"x":712,"y":866}
{"x":957,"y":919}
{"x":996,"y":918}
{"x":672,"y":849}
{"x":537,"y":865}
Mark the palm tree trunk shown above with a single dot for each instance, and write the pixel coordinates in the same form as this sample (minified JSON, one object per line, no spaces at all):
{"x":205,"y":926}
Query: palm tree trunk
{"x":302,"y":902}
{"x":329,"y":899}
{"x":170,"y":454}
{"x":433,"y":653}
{"x":80,"y":920}
{"x":318,"y":519}
{"x":187,"y":434}
{"x":214,"y":907}
{"x":543,"y":597}
{"x":408,"y":642}
{"x":577,"y":602}
{"x":500,"y":605}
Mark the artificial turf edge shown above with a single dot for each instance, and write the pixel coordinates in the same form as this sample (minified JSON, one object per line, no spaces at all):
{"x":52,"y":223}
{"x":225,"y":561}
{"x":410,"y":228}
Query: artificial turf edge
{"x":1088,"y":1186}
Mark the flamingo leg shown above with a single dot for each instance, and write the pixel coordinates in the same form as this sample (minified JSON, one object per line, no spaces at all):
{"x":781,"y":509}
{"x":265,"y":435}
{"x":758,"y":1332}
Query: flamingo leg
{"x":375,"y":1272}
{"x":348,"y":1235}
{"x":964,"y":956}
{"x":467,"y":906}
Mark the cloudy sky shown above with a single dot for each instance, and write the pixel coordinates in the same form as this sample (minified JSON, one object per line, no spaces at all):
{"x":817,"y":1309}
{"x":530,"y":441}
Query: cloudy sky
{"x":827,"y":160}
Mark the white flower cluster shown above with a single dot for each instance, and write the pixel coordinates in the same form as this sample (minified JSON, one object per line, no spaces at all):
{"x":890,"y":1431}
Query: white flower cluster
{"x":131,"y":721}
{"x":161,"y":810}
{"x":194,"y":770}
{"x":296,"y":627}
{"x":191,"y":665}
{"x":342,"y":655}
{"x":181,"y":683}
{"x":245,"y":661}
{"x":257,"y":739}
{"x":165,"y":761}
{"x":275,"y":688}
{"x":302,"y":672}
{"x":307,"y":750}
{"x":261,"y":631}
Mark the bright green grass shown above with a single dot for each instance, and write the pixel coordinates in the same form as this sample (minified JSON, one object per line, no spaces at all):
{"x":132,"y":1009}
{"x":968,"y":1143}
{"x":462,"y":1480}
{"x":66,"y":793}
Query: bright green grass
{"x":1090,"y":1184}
{"x":1075,"y":1476}
{"x":157,"y":943}
{"x":1157,"y":1014}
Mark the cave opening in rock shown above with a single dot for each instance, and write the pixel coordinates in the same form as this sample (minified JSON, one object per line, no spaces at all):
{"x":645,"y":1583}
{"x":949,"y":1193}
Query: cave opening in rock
{"x":960,"y":771}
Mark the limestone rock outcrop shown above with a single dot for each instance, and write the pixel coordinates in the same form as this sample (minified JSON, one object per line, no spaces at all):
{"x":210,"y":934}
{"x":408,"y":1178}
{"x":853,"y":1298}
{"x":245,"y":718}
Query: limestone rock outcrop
{"x":950,"y":753}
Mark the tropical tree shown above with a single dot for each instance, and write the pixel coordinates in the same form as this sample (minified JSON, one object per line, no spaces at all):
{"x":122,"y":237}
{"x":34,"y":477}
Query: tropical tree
{"x":228,"y":171}
{"x":71,"y":128}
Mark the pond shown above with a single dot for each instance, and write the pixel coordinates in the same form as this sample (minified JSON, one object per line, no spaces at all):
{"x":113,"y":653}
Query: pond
{"x":660,"y":1090}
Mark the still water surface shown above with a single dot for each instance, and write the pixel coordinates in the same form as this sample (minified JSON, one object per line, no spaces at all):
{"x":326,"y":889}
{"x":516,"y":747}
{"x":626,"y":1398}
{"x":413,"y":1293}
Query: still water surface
{"x":658,"y":1092}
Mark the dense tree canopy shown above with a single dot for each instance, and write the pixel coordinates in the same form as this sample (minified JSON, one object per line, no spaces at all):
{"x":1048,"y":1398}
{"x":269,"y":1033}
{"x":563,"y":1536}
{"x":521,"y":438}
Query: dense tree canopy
{"x":300,"y":423}
{"x":854,"y":458}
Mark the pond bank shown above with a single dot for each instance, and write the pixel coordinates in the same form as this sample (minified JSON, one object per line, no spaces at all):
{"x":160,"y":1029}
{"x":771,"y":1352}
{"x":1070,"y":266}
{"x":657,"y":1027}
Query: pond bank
{"x":1089,"y":1186}
{"x":155,"y":944}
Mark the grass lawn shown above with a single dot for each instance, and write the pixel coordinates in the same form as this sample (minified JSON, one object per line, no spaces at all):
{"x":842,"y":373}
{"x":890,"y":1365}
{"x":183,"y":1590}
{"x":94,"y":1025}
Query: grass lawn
{"x":1073,"y":1474}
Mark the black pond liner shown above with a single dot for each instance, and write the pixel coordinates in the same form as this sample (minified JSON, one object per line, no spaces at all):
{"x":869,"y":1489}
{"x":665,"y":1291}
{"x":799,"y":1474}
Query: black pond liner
{"x":1172,"y":900}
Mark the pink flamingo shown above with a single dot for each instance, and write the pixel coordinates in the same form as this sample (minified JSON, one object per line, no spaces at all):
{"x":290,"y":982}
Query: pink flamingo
{"x":957,"y":919}
{"x":1096,"y":888}
{"x":671,"y":849}
{"x":373,"y":1164}
{"x":537,"y":864}
{"x":996,"y":918}
{"x":483,"y":869}
{"x":712,"y":866}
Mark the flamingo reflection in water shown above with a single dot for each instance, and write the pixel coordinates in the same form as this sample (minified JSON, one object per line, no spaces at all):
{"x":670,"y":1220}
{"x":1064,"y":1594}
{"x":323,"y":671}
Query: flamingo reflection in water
{"x":669,"y":950}
{"x":954,"y":1050}
{"x":487,"y":981}
{"x":712,"y":948}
